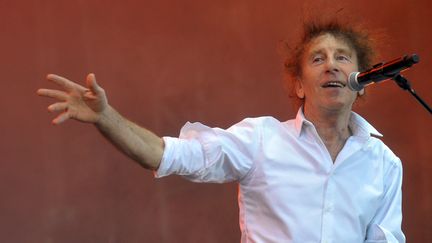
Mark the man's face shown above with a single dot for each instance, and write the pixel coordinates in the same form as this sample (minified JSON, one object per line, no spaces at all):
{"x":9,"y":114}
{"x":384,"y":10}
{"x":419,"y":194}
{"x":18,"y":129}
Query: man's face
{"x":326,"y":65}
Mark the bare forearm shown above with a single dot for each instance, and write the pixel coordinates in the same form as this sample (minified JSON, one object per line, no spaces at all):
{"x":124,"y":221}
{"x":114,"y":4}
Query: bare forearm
{"x":136,"y":142}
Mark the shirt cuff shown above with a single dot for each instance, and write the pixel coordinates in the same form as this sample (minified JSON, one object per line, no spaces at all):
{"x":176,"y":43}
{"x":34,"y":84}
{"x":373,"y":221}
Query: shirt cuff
{"x":167,"y":158}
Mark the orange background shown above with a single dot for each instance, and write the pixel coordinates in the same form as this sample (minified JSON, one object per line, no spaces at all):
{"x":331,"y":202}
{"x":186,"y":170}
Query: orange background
{"x":163,"y":63}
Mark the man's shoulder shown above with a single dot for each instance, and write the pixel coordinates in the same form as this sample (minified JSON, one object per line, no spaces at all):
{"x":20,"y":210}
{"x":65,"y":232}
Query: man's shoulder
{"x":385,"y":152}
{"x":265,"y":126}
{"x":261,"y":119}
{"x":265,"y":121}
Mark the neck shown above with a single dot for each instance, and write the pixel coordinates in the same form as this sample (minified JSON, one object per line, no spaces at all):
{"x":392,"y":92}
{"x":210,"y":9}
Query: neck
{"x":331,"y":125}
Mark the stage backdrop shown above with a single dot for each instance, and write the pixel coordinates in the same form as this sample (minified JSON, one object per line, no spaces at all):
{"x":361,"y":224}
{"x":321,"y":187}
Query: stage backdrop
{"x":163,"y":63}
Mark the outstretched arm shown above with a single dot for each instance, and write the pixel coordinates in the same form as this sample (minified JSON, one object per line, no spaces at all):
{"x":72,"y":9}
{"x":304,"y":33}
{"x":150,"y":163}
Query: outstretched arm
{"x":89,"y":104}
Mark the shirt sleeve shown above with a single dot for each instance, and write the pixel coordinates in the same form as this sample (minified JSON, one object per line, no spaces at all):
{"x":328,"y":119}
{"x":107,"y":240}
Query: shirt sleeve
{"x":204,"y":154}
{"x":386,"y":225}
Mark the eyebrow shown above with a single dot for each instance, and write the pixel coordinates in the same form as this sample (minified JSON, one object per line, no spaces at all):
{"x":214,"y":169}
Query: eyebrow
{"x":344,"y":51}
{"x":338,"y":50}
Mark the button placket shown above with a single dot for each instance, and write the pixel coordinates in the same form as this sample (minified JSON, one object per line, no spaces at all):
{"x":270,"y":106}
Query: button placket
{"x":328,"y":209}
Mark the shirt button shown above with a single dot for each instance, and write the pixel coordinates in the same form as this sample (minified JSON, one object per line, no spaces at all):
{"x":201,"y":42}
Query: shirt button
{"x":329,"y":208}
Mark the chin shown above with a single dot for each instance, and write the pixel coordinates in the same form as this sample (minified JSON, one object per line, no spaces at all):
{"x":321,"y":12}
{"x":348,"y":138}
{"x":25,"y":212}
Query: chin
{"x":338,"y":105}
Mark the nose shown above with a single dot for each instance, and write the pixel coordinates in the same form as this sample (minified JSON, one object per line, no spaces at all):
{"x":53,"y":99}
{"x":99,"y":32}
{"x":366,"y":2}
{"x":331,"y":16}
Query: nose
{"x":332,"y":66}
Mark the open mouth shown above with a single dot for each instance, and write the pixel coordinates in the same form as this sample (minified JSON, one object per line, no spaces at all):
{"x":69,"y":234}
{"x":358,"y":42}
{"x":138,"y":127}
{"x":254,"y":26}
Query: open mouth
{"x":333,"y":84}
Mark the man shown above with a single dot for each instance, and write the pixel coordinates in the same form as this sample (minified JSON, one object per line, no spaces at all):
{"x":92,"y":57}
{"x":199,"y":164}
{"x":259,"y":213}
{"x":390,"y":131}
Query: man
{"x":322,"y":177}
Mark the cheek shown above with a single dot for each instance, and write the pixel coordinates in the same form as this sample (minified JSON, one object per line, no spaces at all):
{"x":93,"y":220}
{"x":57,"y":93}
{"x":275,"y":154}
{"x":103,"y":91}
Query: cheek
{"x":353,"y":67}
{"x":308,"y":76}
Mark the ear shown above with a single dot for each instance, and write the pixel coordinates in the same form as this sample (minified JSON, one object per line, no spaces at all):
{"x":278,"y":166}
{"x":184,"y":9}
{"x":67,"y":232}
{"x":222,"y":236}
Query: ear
{"x":299,"y":89}
{"x":361,"y":92}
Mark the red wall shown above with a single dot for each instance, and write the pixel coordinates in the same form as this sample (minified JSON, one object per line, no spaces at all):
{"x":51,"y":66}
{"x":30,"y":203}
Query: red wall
{"x":163,"y":63}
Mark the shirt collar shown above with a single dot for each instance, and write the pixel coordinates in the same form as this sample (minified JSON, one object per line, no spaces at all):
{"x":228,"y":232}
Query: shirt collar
{"x":359,"y":126}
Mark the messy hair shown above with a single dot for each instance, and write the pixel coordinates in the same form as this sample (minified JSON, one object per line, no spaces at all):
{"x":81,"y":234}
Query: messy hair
{"x":355,"y":37}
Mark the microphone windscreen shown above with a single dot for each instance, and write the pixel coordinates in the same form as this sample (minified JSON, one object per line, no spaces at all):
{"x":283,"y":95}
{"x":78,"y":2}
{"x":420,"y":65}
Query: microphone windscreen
{"x":353,"y":83}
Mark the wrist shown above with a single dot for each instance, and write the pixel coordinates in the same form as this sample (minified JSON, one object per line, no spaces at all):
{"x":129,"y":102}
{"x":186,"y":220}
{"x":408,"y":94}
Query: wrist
{"x":105,"y":117}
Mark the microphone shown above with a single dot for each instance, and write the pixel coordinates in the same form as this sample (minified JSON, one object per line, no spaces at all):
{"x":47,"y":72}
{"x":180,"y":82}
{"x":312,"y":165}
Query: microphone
{"x":381,"y":72}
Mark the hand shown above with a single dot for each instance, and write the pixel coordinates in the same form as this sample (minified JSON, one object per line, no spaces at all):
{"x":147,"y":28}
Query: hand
{"x":75,"y":101}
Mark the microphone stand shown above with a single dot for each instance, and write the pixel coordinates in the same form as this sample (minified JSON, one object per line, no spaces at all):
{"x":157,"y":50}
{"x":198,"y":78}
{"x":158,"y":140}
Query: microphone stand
{"x":405,"y":85}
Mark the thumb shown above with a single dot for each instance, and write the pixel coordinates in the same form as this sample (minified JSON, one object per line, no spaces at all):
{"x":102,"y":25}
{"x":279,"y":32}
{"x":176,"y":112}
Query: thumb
{"x":92,"y":85}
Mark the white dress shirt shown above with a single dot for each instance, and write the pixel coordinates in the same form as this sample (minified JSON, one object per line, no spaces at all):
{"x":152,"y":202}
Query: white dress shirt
{"x":290,"y":189}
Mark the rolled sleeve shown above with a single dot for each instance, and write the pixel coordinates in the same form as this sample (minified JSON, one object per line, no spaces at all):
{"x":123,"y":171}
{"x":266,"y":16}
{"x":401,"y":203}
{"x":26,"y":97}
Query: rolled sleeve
{"x":167,"y":165}
{"x":204,"y":154}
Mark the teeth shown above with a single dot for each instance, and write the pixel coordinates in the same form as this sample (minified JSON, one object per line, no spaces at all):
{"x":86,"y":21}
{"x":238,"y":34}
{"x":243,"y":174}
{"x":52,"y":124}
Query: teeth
{"x":334,"y":84}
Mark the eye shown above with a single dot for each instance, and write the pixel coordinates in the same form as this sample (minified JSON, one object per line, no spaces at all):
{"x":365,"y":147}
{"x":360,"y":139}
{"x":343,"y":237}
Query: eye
{"x":343,"y":58}
{"x":317,"y":59}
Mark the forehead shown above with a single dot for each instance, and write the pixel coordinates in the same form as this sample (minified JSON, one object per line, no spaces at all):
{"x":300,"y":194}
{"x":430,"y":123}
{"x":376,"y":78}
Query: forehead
{"x":328,"y":42}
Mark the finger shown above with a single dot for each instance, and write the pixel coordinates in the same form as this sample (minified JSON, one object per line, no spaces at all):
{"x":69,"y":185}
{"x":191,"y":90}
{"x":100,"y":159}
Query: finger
{"x":64,"y":82}
{"x":57,"y":94}
{"x":61,"y":106}
{"x":92,"y":84}
{"x":61,"y":118}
